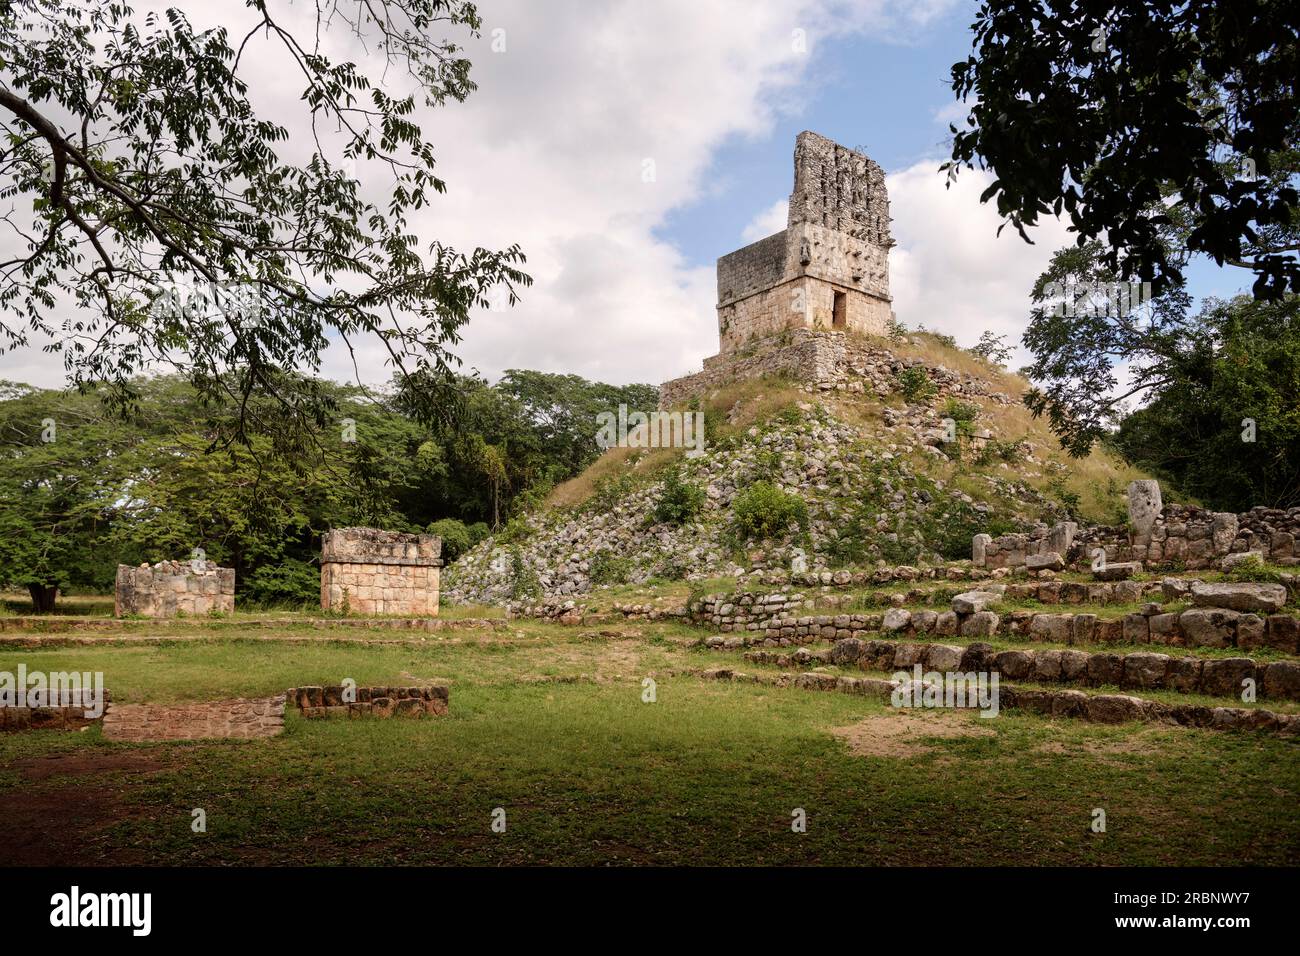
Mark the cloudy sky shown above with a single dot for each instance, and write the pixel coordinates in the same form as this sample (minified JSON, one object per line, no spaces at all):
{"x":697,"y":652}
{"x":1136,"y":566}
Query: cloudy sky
{"x":577,"y":100}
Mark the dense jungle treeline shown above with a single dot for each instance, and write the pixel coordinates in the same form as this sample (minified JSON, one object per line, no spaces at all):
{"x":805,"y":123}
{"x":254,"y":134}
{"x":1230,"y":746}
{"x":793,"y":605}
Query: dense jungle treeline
{"x":87,"y":485}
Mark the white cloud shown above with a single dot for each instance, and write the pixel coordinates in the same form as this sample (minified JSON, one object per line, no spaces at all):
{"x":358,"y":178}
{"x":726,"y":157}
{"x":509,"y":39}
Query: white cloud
{"x":954,"y":112}
{"x":950,"y":270}
{"x":771,"y":220}
{"x":549,"y":153}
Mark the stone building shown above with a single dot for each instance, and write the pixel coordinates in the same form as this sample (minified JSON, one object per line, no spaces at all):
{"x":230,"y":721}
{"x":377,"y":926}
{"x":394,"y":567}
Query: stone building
{"x":368,"y":571}
{"x":169,"y":588}
{"x":828,"y":270}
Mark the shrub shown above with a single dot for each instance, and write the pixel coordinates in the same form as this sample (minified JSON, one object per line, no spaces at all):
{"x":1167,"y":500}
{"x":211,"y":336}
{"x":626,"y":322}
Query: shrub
{"x":1252,"y":569}
{"x":1069,"y":499}
{"x":609,"y":568}
{"x":1011,"y":450}
{"x":679,"y":500}
{"x":963,"y":413}
{"x":523,"y":579}
{"x":478,"y":531}
{"x":516,"y":529}
{"x":291,"y":582}
{"x":765,"y":511}
{"x":992,"y":349}
{"x":914,"y":382}
{"x":608,"y":491}
{"x":951,"y":531}
{"x":455,"y":537}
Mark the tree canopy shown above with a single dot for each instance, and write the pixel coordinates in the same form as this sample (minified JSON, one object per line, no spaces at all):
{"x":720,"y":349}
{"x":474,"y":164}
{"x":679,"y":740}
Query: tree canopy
{"x":165,"y":224}
{"x":1138,"y":119}
{"x":92,"y":487}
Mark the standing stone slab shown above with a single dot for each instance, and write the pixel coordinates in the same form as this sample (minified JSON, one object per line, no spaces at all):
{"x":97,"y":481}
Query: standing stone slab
{"x":1144,"y":505}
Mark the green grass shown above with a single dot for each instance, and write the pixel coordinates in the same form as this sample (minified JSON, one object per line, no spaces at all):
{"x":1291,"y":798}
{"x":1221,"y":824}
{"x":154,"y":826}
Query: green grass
{"x":548,"y":723}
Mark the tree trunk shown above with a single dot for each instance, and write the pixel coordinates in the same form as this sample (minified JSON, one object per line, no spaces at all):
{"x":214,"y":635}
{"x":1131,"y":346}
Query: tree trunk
{"x":43,"y":596}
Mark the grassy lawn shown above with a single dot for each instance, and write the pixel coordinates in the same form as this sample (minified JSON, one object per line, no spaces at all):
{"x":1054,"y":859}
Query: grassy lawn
{"x":548,"y":723}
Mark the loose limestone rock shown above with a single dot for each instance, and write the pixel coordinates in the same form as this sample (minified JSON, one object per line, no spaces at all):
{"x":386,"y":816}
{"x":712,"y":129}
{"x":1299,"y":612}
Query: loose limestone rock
{"x":1047,"y":561}
{"x":1118,"y":571}
{"x":972,"y":602}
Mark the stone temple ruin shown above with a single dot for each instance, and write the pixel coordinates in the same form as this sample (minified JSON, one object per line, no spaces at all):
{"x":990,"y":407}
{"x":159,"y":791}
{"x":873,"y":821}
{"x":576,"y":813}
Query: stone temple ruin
{"x":169,"y":588}
{"x":368,"y":571}
{"x":826,"y":272}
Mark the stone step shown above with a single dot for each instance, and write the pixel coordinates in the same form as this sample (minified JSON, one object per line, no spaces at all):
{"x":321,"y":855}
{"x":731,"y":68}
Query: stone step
{"x":1194,"y":627}
{"x":1098,"y":708}
{"x":1215,"y":677}
{"x":245,"y":718}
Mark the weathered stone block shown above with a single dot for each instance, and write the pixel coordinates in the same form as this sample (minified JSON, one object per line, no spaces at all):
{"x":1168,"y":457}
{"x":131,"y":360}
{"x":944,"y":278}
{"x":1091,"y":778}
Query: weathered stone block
{"x":1226,"y":677}
{"x":1282,"y":680}
{"x":1014,"y":665}
{"x":1046,"y":561}
{"x":1105,"y":669}
{"x":1208,"y":627}
{"x":972,"y":602}
{"x":980,"y":624}
{"x":1114,"y":708}
{"x":1118,"y":571}
{"x":1145,"y":670}
{"x":944,"y":657}
{"x":1244,"y":596}
{"x":1144,"y":505}
{"x":1184,"y":674}
{"x":1282,"y":631}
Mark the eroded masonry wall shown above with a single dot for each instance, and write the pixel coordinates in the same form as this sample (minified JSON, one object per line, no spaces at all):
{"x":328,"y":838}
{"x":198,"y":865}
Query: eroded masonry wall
{"x":1158,"y":535}
{"x":369,"y":571}
{"x":169,"y":588}
{"x":840,"y":189}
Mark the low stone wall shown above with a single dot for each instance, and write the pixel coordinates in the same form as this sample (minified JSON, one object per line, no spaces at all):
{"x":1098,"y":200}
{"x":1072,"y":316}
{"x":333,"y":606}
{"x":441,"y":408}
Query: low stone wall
{"x":1196,"y":627}
{"x":820,"y":359}
{"x":1015,"y":550}
{"x":1158,"y":535}
{"x":808,"y":356}
{"x":731,"y":612}
{"x":239,"y":718}
{"x":651,"y":612}
{"x":368,"y":571}
{"x":756,"y":607}
{"x":382,"y":702}
{"x":65,"y":711}
{"x":169,"y":588}
{"x":556,"y":612}
{"x":1099,"y":708}
{"x":1219,"y":677}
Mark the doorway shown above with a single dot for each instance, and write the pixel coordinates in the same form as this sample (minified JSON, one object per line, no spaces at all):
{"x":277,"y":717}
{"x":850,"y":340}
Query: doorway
{"x":839,"y":308}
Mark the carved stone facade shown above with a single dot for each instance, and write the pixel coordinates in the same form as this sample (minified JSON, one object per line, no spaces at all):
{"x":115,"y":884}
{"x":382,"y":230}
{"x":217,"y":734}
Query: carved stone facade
{"x":368,"y":571}
{"x":827,"y":270}
{"x":169,"y":588}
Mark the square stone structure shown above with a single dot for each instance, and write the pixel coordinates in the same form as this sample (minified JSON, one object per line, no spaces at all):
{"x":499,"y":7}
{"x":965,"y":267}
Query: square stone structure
{"x":169,"y":588}
{"x":380,"y":572}
{"x":829,"y":268}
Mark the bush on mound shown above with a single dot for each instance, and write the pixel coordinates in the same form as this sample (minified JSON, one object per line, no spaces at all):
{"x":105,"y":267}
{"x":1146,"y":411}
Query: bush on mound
{"x":765,"y":511}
